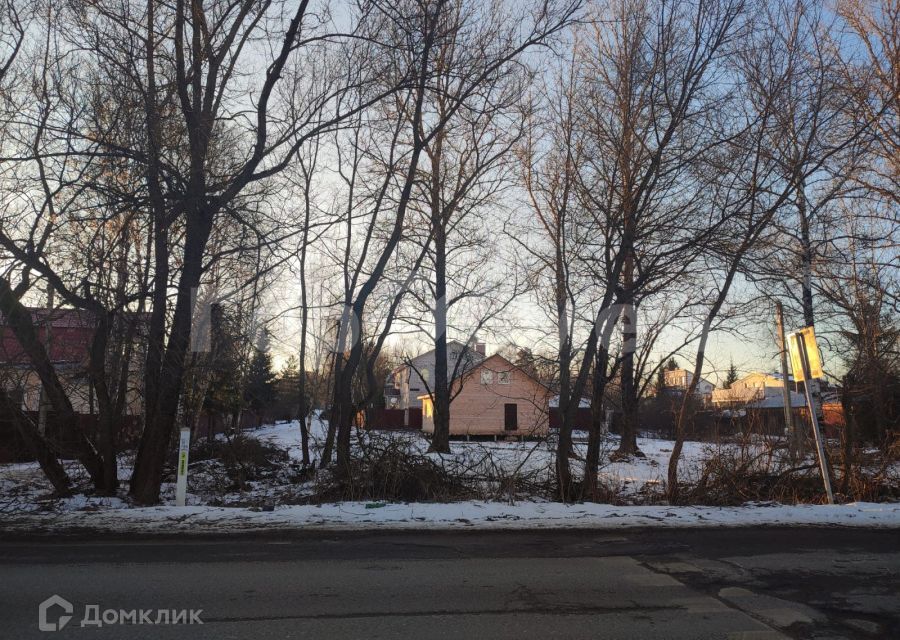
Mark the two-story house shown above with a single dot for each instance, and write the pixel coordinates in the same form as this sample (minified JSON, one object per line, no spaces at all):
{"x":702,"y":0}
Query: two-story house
{"x":496,"y":398}
{"x":757,"y":390}
{"x":414,"y":377}
{"x":680,"y":379}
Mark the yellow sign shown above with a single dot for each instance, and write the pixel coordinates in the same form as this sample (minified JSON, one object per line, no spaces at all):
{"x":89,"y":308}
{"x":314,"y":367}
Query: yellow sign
{"x":805,"y":339}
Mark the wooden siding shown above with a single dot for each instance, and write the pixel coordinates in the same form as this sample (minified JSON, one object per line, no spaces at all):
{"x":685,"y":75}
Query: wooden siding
{"x":479,"y":409}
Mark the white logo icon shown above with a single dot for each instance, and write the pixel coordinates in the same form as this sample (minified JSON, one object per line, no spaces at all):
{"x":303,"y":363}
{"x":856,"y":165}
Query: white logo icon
{"x":54,"y":601}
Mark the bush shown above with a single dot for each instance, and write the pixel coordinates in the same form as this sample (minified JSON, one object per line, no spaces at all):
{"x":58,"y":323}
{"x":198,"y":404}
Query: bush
{"x":243,"y":459}
{"x":389,"y":469}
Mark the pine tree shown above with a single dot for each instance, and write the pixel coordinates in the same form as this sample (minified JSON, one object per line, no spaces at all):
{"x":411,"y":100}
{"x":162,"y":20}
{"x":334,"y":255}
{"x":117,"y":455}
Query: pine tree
{"x":288,"y":389}
{"x":661,"y":380}
{"x":731,"y":377}
{"x":259,"y":390}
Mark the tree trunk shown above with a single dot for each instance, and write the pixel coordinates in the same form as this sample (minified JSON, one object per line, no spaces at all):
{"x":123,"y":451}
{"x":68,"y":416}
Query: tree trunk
{"x":146,"y":478}
{"x":38,"y":447}
{"x":698,"y":366}
{"x":675,"y":456}
{"x":333,"y":418}
{"x":847,"y":435}
{"x":592,"y":459}
{"x":107,"y":419}
{"x":806,"y":268}
{"x":628,"y":443}
{"x":567,"y":405}
{"x":345,"y":403}
{"x":440,"y":441}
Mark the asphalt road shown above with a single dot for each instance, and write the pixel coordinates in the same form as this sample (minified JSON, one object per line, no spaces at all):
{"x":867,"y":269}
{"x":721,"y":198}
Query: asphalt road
{"x":741,"y":583}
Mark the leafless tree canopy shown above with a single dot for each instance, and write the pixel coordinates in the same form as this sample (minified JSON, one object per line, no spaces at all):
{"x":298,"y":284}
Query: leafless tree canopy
{"x":603,"y":184}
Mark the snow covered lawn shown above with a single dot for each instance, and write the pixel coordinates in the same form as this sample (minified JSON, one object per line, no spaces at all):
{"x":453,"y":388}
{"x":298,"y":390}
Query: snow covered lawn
{"x":460,"y":515}
{"x":277,"y":499}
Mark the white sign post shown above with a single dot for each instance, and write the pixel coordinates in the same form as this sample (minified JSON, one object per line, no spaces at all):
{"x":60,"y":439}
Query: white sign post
{"x":808,"y":365}
{"x":184,"y":444}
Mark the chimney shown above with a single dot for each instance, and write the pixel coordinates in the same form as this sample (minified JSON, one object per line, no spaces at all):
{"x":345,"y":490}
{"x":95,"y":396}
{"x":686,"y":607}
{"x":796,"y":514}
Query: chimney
{"x":479,"y":348}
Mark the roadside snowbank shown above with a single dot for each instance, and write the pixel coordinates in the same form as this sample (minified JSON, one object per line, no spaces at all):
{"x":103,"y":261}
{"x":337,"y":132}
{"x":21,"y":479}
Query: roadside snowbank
{"x":349,"y":516}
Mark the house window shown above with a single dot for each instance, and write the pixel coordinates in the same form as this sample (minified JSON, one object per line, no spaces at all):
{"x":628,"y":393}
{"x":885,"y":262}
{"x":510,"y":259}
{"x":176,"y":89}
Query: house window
{"x":487,"y":376}
{"x":425,"y":375}
{"x":503,"y":377}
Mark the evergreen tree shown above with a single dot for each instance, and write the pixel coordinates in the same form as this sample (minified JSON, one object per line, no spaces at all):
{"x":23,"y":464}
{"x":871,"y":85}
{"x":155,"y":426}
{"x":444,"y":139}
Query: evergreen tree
{"x":223,"y":395}
{"x":661,"y":379}
{"x":259,"y":390}
{"x":731,"y":377}
{"x":288,"y":389}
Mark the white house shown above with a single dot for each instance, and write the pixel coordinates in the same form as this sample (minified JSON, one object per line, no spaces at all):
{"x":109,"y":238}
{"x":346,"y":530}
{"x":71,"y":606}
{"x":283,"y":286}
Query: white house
{"x":406,"y":383}
{"x":681,"y":379}
{"x":757,"y":390}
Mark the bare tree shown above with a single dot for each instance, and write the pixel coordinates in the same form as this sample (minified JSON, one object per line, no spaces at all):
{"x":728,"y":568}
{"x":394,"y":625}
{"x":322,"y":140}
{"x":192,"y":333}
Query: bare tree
{"x":875,"y":87}
{"x":421,"y":30}
{"x":550,"y":154}
{"x":465,"y":169}
{"x":645,"y":101}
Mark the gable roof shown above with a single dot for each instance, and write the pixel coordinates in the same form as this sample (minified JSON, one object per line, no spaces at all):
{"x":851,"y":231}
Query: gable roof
{"x":430,"y":352}
{"x":476,"y":356}
{"x":483,"y":365}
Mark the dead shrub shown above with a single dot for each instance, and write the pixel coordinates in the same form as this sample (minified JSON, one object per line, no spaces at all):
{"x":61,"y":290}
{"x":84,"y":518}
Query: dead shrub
{"x":389,"y":469}
{"x":241,"y":458}
{"x":394,"y":468}
{"x":762,"y":470}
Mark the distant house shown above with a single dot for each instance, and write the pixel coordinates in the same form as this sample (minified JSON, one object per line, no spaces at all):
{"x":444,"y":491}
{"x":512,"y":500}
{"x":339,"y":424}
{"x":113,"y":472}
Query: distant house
{"x":66,"y":335}
{"x":680,"y":380}
{"x":756,"y":401}
{"x":407,"y":382}
{"x":497,"y":399}
{"x":756,"y":391}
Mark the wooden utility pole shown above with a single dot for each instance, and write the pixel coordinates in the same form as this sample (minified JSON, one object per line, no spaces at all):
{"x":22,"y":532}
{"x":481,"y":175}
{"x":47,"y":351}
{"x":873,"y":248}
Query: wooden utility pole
{"x":796,"y":442}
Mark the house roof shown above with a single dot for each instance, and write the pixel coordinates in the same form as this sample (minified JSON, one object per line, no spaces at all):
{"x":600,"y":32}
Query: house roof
{"x":476,"y":357}
{"x":430,"y":352}
{"x":509,"y":366}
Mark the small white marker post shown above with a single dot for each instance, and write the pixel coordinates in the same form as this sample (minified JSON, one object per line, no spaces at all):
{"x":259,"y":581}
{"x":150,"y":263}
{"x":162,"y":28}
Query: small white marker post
{"x":184,"y":444}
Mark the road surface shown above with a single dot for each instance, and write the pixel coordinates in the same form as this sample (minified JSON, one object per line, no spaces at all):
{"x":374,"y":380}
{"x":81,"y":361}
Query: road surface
{"x":739,"y":583}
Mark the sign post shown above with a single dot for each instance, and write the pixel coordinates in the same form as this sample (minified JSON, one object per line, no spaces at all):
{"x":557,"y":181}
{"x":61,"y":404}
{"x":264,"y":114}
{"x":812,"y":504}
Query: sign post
{"x":807,"y":364}
{"x":184,"y":445}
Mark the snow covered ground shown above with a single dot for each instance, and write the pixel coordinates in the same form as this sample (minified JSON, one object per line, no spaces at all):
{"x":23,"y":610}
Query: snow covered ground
{"x":278,"y":499}
{"x":482,"y":515}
